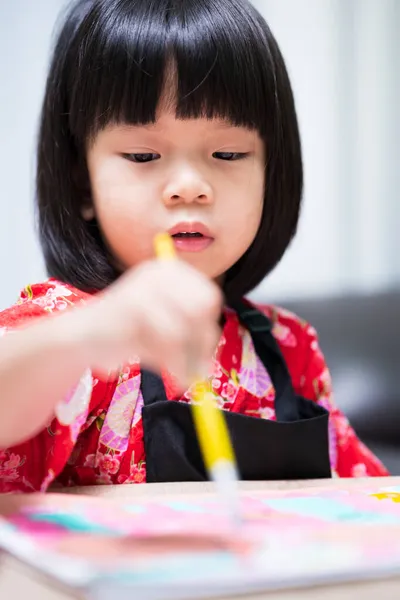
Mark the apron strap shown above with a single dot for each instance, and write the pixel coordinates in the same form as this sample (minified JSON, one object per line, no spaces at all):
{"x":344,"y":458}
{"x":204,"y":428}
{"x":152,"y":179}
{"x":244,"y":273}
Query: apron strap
{"x":268,"y":351}
{"x":152,"y":388}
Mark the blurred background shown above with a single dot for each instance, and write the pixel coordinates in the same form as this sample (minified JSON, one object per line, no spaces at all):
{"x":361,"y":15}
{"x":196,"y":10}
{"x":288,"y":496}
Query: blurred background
{"x":343,"y":269}
{"x":344,"y":60}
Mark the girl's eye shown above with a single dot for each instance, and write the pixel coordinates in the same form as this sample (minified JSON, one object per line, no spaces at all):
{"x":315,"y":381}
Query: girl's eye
{"x":230,"y":156}
{"x":142,"y":157}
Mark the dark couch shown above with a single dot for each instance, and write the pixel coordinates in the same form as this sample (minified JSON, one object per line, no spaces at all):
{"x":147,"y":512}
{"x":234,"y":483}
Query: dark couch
{"x":360,"y":337}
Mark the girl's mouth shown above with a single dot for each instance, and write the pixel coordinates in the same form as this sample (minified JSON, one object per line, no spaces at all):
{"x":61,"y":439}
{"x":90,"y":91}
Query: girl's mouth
{"x":191,"y":241}
{"x":191,"y":237}
{"x":188,"y":234}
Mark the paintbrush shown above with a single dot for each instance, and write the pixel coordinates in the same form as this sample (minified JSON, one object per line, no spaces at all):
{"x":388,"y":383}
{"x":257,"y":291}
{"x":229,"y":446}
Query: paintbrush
{"x":211,"y":427}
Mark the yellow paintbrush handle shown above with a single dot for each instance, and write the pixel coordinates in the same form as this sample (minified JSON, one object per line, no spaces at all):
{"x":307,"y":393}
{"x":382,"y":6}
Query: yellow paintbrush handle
{"x":211,"y":427}
{"x":164,"y":247}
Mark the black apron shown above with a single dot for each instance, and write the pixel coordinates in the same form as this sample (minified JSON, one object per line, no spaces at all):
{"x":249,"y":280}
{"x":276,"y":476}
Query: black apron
{"x":295,"y":446}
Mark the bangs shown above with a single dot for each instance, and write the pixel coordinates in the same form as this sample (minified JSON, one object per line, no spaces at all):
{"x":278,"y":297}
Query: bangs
{"x":124,"y":51}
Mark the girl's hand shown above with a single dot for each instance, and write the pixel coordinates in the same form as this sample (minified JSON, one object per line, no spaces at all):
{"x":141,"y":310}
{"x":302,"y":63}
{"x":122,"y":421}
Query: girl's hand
{"x":165,"y":313}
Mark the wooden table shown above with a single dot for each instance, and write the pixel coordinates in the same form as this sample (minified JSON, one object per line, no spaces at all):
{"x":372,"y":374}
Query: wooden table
{"x":18,"y":581}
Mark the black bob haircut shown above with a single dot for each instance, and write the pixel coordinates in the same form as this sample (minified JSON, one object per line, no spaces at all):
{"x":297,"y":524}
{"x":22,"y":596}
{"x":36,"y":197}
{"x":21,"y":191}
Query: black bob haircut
{"x":109,"y":65}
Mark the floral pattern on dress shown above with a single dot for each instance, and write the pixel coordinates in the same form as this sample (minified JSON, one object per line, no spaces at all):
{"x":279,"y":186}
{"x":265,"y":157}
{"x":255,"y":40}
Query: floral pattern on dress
{"x":55,"y":298}
{"x":96,"y":436}
{"x":253,"y":376}
{"x":118,"y":422}
{"x":73,"y":409}
{"x":9,"y":466}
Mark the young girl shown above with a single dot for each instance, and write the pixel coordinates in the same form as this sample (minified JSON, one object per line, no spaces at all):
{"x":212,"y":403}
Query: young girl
{"x":166,"y":116}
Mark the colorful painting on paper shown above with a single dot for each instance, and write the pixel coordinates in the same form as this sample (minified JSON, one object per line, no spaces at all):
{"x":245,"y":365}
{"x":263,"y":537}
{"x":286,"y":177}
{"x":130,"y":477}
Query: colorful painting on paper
{"x":170,"y":547}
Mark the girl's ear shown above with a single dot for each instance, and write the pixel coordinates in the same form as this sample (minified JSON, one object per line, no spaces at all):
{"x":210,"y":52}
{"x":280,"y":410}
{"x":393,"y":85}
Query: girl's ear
{"x":82,"y":182}
{"x":88,"y":212}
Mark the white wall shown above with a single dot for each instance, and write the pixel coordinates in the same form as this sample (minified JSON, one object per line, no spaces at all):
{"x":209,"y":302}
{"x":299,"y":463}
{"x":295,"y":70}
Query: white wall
{"x":344,"y":60}
{"x":25,"y":31}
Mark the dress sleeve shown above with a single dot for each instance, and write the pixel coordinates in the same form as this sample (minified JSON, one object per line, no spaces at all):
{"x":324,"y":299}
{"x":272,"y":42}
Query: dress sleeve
{"x":33,"y":465}
{"x":349,"y":456}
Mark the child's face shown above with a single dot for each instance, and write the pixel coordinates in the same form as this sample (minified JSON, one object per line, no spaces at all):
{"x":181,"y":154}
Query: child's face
{"x":174,"y":176}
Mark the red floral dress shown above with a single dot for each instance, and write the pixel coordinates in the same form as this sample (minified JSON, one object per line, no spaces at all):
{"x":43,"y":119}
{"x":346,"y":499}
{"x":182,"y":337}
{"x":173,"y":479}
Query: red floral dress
{"x":96,"y":436}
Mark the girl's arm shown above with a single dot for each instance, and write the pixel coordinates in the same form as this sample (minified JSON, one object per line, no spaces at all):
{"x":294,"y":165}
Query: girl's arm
{"x":157,"y":311}
{"x":38,"y":365}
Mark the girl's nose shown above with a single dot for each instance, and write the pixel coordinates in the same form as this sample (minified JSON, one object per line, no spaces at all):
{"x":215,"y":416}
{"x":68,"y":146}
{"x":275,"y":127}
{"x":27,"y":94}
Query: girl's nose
{"x":188,"y":188}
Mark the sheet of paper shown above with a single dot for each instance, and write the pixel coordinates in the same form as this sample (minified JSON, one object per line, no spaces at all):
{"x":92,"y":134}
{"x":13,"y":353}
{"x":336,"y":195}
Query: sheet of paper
{"x":183,"y":547}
